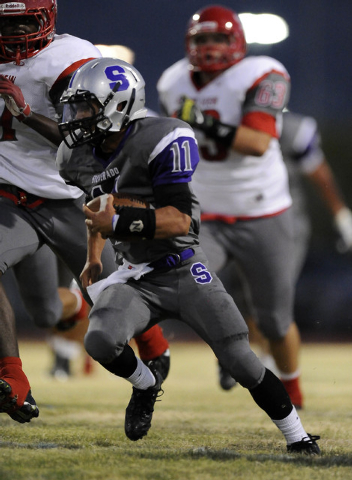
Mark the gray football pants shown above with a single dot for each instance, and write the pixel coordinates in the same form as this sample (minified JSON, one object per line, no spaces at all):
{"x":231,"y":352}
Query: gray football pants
{"x":60,"y":225}
{"x":189,"y":293}
{"x":262,"y":251}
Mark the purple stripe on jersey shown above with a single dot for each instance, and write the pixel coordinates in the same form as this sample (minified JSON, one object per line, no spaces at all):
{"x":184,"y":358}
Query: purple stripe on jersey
{"x":176,"y":163}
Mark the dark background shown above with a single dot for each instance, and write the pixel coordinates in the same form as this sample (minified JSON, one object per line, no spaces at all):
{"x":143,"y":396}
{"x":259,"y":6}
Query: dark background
{"x":317,"y":56}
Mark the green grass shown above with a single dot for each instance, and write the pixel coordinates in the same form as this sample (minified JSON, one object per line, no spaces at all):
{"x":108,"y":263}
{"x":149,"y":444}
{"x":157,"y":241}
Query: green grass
{"x":199,"y":432}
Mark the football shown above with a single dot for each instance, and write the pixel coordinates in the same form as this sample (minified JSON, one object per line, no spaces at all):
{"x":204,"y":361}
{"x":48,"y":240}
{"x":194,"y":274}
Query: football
{"x":120,"y":199}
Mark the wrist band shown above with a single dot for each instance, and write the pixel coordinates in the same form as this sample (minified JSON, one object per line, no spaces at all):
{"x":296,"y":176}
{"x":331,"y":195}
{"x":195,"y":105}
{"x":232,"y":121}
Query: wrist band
{"x":136,"y":222}
{"x":26,"y":112}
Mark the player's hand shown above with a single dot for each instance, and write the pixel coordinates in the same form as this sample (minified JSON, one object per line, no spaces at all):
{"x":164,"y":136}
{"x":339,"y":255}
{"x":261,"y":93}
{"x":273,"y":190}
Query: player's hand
{"x":101,"y":222}
{"x":190,"y":113}
{"x":14,"y":99}
{"x":343,"y":225}
{"x":212,"y":127}
{"x":90,"y":273}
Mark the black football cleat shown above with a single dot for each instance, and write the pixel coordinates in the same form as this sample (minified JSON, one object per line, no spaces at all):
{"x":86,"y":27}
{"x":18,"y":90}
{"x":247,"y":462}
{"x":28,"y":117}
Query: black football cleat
{"x":307,"y":446}
{"x":139,"y":412}
{"x":61,"y":368}
{"x":28,"y":410}
{"x":23,"y":414}
{"x":161,"y":364}
{"x":6,"y":402}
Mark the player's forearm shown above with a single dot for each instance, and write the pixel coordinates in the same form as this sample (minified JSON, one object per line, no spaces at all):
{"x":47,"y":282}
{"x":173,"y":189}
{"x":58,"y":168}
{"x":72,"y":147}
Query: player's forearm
{"x":95,"y":246}
{"x":170,"y":222}
{"x":251,"y":142}
{"x":325,"y":183}
{"x":45,"y":126}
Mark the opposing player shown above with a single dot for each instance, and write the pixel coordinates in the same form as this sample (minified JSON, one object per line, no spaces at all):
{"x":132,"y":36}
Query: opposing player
{"x":111,"y":146}
{"x":234,"y":103}
{"x":304,"y":158}
{"x":36,"y":206}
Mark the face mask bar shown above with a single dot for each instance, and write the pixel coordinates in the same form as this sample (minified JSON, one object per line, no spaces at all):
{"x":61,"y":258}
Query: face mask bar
{"x":82,"y":112}
{"x":26,"y":45}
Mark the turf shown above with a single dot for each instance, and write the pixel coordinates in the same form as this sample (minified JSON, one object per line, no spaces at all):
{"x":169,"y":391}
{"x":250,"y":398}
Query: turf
{"x":199,"y":432}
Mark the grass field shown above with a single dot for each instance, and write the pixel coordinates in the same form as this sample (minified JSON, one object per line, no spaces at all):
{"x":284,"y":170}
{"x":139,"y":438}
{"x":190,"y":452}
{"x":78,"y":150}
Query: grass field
{"x":199,"y":432}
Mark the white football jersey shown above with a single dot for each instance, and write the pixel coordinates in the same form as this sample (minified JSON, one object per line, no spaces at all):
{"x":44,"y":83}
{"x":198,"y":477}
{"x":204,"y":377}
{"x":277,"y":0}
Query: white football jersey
{"x":227,"y":182}
{"x":27,"y":159}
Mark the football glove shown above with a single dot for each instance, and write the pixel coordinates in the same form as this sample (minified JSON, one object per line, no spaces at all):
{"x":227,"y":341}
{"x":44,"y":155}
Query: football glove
{"x":14,"y":99}
{"x":212,"y":127}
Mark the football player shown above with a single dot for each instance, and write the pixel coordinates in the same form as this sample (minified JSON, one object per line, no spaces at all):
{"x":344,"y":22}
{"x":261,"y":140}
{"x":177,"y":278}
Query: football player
{"x":111,"y":146}
{"x":235,"y":103}
{"x":36,"y":206}
{"x":304,"y":158}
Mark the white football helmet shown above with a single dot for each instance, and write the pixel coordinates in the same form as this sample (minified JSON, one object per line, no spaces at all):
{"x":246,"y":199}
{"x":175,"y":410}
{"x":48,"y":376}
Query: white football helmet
{"x":104,"y":96}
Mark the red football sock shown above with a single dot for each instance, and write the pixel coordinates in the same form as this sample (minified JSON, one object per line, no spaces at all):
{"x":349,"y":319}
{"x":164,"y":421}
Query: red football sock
{"x":294,"y":391}
{"x":11,"y":371}
{"x":82,"y":306}
{"x":151,"y":344}
{"x":88,"y":365}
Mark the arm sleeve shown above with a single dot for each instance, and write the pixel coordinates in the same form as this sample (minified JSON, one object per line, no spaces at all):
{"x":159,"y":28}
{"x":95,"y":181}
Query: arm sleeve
{"x":177,"y":195}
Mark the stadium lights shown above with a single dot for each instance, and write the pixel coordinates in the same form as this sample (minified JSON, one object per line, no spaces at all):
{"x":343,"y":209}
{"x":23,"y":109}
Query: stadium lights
{"x":264,"y":28}
{"x":117,"y":51}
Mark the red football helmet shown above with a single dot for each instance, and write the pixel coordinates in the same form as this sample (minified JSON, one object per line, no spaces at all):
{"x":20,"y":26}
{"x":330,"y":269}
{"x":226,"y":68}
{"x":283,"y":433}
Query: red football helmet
{"x":210,"y":58}
{"x":19,"y":47}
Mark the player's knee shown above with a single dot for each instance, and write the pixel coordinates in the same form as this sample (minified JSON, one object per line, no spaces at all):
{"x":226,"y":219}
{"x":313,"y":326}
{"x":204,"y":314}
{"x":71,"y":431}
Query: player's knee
{"x":44,"y":317}
{"x":242,"y":363}
{"x":274,"y":328}
{"x":100,"y":346}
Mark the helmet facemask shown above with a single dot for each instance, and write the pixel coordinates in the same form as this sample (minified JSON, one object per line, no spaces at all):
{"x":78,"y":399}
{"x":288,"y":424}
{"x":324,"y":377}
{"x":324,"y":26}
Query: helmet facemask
{"x":82,"y":114}
{"x":212,"y":57}
{"x":26,"y":45}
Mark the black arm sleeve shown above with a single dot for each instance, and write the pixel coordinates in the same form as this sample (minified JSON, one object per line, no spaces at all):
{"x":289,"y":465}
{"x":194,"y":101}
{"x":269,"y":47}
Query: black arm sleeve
{"x":177,"y":195}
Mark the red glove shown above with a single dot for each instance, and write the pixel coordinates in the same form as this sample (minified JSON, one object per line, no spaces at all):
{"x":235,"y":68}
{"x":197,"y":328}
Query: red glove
{"x":14,"y":99}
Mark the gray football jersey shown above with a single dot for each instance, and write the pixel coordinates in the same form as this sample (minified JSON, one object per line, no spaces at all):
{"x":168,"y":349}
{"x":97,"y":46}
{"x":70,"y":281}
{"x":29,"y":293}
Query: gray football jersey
{"x":154,"y":152}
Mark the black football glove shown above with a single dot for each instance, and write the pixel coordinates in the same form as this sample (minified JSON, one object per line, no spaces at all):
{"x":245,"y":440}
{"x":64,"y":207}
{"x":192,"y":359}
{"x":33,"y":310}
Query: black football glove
{"x":189,"y":112}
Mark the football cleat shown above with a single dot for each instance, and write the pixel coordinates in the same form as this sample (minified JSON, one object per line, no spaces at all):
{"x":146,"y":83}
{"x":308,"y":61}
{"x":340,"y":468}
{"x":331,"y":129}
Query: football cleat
{"x":307,"y":446}
{"x":139,"y":411}
{"x":161,"y":363}
{"x":6,"y":402}
{"x":28,"y":410}
{"x":22,"y":414}
{"x":226,"y":381}
{"x":61,"y":368}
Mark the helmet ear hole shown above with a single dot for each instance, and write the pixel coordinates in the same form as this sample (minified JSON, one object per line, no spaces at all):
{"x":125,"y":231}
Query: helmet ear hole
{"x":121,"y":106}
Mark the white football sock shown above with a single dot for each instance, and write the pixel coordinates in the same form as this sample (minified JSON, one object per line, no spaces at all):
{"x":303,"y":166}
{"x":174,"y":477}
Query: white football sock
{"x":142,"y":377}
{"x":289,"y":376}
{"x":64,"y":347}
{"x":292,"y":428}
